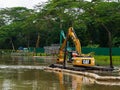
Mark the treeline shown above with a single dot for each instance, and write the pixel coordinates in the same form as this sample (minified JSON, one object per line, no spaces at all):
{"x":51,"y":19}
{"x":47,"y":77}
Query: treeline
{"x":41,"y":26}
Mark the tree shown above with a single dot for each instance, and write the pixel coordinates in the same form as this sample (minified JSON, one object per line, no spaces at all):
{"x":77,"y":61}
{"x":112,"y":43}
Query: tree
{"x":15,"y":19}
{"x":23,"y":26}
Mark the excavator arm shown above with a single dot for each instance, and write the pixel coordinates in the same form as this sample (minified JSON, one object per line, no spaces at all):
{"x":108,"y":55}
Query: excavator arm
{"x":73,"y":36}
{"x":79,"y":59}
{"x":70,"y":34}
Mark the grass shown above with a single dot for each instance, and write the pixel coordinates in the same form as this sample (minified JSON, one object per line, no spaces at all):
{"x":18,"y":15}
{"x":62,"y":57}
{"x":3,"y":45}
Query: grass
{"x":105,"y":60}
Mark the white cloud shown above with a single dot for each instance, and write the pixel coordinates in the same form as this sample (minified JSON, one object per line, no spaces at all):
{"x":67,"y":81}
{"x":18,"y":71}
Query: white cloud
{"x":15,"y":3}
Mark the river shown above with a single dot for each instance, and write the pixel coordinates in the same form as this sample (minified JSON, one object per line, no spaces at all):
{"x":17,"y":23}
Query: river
{"x":27,"y":73}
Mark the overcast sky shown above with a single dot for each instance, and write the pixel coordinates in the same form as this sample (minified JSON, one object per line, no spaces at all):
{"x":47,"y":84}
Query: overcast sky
{"x":23,"y":3}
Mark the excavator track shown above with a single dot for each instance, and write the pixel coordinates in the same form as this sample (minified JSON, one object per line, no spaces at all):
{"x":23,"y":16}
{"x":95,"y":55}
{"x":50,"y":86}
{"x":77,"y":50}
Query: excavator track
{"x":82,"y":68}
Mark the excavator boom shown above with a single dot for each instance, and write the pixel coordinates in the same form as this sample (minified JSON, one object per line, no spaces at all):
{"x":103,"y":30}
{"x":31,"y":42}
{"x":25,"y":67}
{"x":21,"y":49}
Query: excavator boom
{"x":72,"y":34}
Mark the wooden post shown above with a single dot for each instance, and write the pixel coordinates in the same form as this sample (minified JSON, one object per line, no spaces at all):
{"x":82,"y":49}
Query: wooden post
{"x":110,"y":49}
{"x":64,"y":62}
{"x":110,"y":45}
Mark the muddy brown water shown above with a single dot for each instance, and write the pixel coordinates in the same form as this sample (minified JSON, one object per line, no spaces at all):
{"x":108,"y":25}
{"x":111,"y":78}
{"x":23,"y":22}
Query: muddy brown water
{"x":26,"y":73}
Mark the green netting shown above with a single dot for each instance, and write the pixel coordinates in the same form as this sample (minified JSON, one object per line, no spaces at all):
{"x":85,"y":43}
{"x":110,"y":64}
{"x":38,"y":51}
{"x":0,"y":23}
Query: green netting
{"x":37,"y":50}
{"x":101,"y":51}
{"x":97,"y":51}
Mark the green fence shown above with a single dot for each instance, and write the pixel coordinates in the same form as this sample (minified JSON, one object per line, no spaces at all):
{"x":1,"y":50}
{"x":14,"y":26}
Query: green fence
{"x":37,"y":50}
{"x":97,"y":51}
{"x":101,"y":51}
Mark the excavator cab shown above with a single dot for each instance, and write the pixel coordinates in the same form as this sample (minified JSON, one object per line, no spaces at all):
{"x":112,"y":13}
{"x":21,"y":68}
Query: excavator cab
{"x":71,"y":54}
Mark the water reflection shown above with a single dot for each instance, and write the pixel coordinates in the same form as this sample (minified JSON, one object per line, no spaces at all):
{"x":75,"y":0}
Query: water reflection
{"x":26,"y":73}
{"x":76,"y":81}
{"x":79,"y":82}
{"x":27,"y":60}
{"x":26,"y":79}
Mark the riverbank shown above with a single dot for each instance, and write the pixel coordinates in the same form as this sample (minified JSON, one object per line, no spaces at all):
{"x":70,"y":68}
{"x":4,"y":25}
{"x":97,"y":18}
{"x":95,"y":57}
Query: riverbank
{"x":100,"y":60}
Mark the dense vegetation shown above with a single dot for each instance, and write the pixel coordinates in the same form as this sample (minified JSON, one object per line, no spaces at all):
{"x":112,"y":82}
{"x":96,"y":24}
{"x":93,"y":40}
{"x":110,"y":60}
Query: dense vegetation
{"x":20,"y":26}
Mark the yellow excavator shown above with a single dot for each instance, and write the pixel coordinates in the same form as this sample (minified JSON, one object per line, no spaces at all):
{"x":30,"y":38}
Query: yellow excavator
{"x":76,"y":57}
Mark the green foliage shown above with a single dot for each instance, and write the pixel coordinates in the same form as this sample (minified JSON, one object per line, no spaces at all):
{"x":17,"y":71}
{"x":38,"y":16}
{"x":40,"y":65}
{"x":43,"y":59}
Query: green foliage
{"x":93,"y":46}
{"x":20,"y":26}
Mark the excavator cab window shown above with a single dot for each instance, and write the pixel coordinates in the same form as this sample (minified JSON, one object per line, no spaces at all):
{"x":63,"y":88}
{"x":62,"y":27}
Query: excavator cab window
{"x":72,"y":54}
